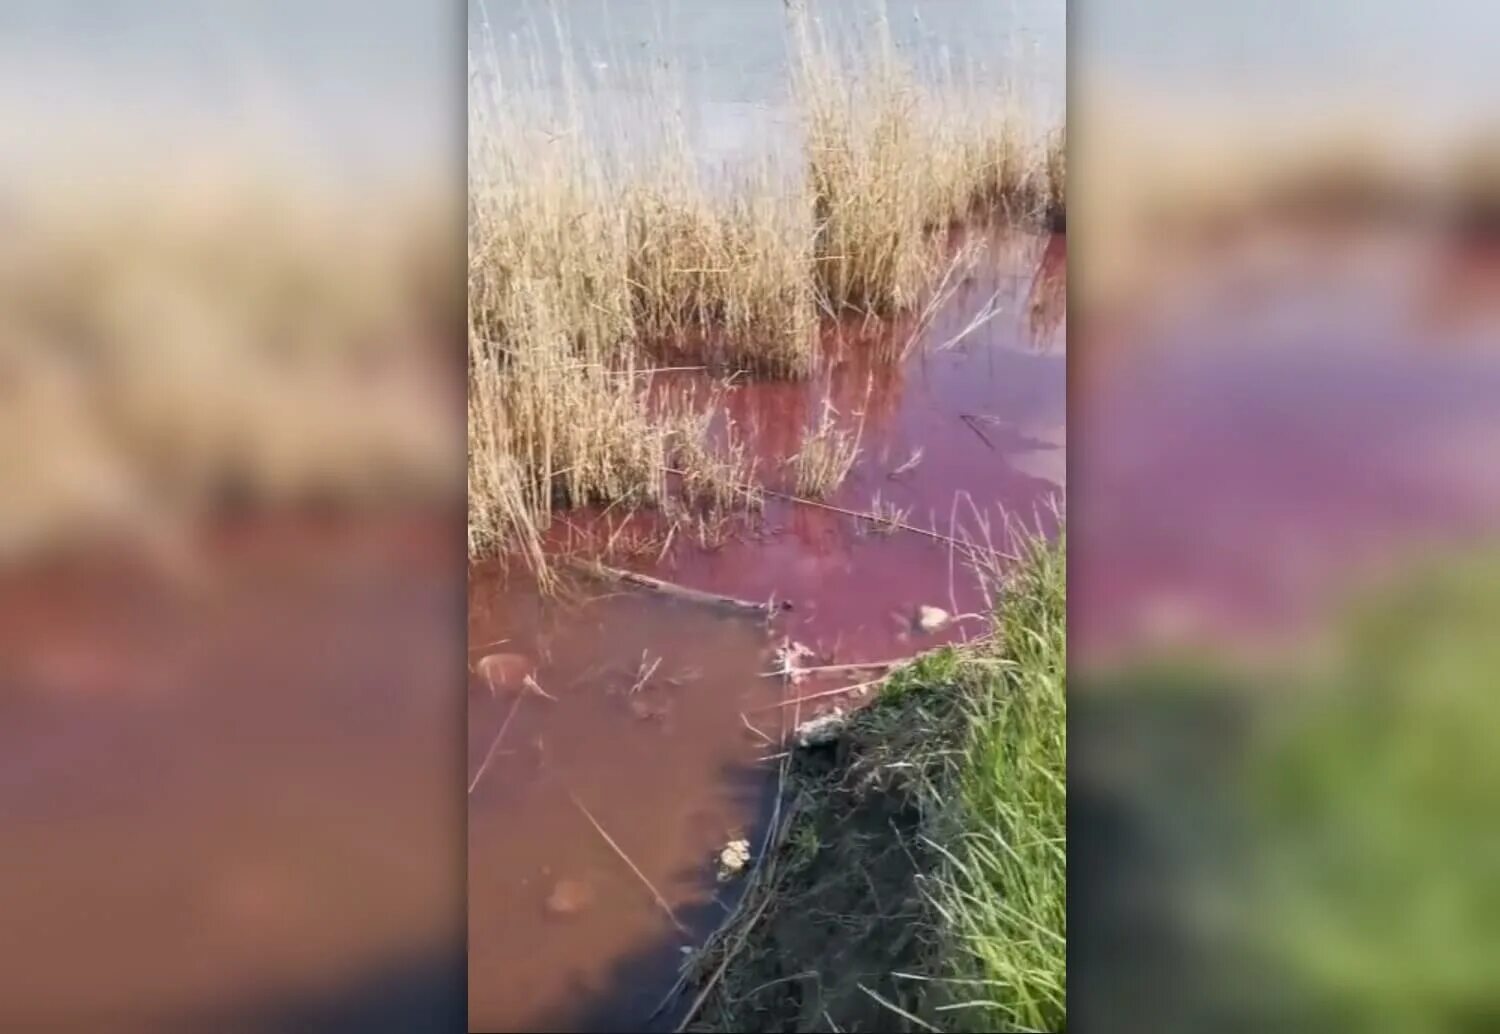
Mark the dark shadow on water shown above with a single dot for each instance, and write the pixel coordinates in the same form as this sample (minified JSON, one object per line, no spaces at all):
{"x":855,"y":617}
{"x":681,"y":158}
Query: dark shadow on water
{"x":1152,"y":832}
{"x":423,"y":994}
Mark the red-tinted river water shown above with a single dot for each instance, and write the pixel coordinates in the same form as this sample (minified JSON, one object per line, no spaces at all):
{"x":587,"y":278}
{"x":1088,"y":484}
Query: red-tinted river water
{"x":647,"y":733}
{"x":1305,"y":411}
{"x":228,"y":797}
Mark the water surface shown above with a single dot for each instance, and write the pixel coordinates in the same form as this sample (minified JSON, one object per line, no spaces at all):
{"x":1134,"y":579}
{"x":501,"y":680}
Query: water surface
{"x":664,"y":728}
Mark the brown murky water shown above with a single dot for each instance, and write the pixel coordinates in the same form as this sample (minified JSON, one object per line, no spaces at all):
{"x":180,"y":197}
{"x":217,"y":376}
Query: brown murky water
{"x":648,"y":733}
{"x":227,"y":797}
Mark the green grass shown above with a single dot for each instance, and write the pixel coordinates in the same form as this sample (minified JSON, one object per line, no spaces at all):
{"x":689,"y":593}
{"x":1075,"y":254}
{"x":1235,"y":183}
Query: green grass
{"x":1376,"y":898}
{"x":919,"y":880}
{"x":1002,"y":889}
{"x":1305,"y":844}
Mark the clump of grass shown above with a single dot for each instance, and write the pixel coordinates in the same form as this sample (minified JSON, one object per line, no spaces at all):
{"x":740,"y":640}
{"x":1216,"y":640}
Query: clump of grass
{"x":724,"y":275}
{"x":895,"y":159}
{"x":501,"y":516}
{"x":675,"y":247}
{"x":867,"y":165}
{"x":551,"y":429}
{"x":1002,"y":886}
{"x":1056,"y":196}
{"x":543,"y":226}
{"x":919,"y":882}
{"x":997,"y":163}
{"x":716,"y":476}
{"x":770,"y":316}
{"x":886,"y":516}
{"x":557,"y":416}
{"x":827,"y":455}
{"x":982,"y":158}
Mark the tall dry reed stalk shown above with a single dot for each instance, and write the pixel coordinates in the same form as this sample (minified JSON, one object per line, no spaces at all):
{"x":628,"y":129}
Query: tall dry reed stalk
{"x":723,"y":275}
{"x":866,"y":173}
{"x":894,"y":157}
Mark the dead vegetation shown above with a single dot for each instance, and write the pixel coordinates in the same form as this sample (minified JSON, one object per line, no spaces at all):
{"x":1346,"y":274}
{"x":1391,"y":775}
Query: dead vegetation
{"x":1181,"y":187}
{"x":867,"y":175}
{"x":827,"y":455}
{"x":595,"y":257}
{"x":217,"y":333}
{"x":886,"y":517}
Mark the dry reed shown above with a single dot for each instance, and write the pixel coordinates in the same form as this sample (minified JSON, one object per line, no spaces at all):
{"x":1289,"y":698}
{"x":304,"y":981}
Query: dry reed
{"x":866,"y":170}
{"x":826,"y":457}
{"x":593,"y":256}
{"x":228,"y":335}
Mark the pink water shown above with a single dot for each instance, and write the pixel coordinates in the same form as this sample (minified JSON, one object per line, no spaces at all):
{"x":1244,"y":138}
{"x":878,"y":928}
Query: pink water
{"x":562,"y":934}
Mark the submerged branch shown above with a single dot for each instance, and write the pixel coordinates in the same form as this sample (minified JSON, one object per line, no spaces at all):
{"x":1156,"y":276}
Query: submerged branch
{"x":660,"y":901}
{"x":670,"y":589}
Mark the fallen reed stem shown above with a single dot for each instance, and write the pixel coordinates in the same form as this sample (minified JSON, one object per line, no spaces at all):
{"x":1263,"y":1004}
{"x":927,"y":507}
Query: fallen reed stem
{"x":865,"y":515}
{"x":764,"y":738}
{"x":972,"y":423}
{"x":531,"y":684}
{"x":490,"y":754}
{"x":671,"y":589}
{"x":661,"y":901}
{"x":645,"y":674}
{"x":723,"y":965}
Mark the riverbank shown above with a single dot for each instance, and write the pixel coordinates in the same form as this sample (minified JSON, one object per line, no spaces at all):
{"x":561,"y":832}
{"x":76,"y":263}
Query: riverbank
{"x":914,"y":877}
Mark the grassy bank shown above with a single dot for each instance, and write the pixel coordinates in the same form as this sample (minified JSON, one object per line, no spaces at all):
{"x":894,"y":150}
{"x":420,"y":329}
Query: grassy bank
{"x":916,"y":878}
{"x":598,"y":256}
{"x":1299,"y":841}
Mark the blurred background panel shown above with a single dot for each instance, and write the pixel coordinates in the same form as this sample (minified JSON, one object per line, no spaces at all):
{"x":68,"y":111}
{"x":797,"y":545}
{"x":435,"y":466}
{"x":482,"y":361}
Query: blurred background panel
{"x":1285,"y":499}
{"x":231,"y":539}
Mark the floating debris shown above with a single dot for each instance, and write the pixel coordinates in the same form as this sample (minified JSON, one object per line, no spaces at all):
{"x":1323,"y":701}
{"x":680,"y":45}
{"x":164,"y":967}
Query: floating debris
{"x":569,"y":897}
{"x":788,"y":658}
{"x":733,"y":859}
{"x":504,"y":670}
{"x":931,"y":619}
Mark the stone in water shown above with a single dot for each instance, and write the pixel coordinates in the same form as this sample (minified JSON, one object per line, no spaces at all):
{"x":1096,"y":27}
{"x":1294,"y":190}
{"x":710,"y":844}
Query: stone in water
{"x":930,"y":619}
{"x":733,"y":859}
{"x":569,"y":897}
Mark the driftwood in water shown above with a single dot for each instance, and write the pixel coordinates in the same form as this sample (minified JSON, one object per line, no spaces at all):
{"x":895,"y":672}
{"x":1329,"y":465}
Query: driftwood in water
{"x":681,"y":592}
